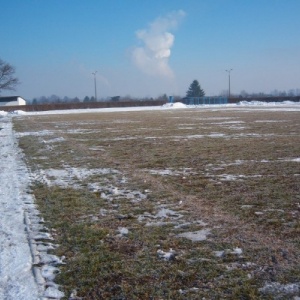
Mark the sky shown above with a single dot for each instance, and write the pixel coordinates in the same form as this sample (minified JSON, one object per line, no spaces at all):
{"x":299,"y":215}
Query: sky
{"x":150,"y":48}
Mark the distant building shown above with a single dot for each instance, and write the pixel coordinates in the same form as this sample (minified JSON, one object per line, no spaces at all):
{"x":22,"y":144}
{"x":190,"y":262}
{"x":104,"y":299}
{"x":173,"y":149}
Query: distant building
{"x":12,"y":101}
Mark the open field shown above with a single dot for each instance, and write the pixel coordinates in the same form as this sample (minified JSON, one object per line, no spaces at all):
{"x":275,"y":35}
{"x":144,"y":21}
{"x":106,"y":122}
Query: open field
{"x":170,"y":204}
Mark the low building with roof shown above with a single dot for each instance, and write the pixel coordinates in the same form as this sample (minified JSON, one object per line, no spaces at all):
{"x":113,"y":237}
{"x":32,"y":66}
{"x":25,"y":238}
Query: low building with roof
{"x":12,"y":101}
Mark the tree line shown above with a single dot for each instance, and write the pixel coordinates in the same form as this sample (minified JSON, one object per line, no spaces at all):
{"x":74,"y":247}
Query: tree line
{"x":56,"y":99}
{"x":9,"y":81}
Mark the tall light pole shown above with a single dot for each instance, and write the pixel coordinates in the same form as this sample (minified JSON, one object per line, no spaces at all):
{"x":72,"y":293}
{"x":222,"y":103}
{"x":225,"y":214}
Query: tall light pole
{"x":94,"y":73}
{"x":228,"y":71}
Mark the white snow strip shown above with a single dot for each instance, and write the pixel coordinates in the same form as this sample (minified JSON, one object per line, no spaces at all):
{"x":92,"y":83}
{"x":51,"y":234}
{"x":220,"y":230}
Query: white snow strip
{"x":21,"y":229}
{"x":16,"y":274}
{"x":292,"y":159}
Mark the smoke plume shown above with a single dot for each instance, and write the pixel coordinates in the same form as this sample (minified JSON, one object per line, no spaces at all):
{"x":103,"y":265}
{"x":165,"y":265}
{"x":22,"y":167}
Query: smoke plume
{"x":153,"y":56}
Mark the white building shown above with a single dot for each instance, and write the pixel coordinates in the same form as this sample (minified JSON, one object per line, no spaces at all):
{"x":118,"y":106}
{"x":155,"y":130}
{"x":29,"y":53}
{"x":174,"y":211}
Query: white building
{"x":12,"y":101}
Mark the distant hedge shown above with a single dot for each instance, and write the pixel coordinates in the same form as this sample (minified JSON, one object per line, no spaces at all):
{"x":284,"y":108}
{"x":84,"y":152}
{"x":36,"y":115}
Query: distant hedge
{"x":80,"y":105}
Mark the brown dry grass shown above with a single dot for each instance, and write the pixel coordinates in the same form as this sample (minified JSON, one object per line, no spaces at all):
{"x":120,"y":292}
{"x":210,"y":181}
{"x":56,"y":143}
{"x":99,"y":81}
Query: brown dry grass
{"x":257,"y":211}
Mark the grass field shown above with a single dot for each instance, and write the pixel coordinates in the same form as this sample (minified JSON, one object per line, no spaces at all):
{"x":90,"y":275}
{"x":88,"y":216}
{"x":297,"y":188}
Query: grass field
{"x":173,"y":204}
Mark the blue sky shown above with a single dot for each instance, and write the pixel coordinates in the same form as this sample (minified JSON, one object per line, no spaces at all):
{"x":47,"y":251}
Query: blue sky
{"x":148,"y":48}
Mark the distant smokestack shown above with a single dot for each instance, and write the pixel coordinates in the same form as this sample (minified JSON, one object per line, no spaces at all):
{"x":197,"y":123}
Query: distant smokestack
{"x":153,"y":57}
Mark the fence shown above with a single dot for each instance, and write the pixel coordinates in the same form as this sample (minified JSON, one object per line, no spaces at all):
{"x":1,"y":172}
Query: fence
{"x":205,"y":100}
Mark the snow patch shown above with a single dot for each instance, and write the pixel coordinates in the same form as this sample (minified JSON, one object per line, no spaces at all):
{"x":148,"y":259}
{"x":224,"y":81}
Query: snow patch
{"x":123,"y":231}
{"x":277,"y":289}
{"x":196,"y":236}
{"x":69,"y":176}
{"x":18,"y":112}
{"x":168,"y":255}
{"x":3,"y":113}
{"x":293,"y":159}
{"x":175,"y":105}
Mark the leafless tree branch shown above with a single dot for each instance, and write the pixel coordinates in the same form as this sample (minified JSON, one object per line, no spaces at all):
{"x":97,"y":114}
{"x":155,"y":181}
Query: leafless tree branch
{"x":7,"y":79}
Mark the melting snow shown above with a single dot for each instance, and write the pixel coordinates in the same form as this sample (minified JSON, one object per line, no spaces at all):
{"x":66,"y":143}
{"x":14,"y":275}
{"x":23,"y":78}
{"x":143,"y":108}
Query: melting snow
{"x":293,"y":159}
{"x":69,"y":176}
{"x":235,"y":251}
{"x":170,"y":255}
{"x":196,"y":236}
{"x":123,"y":231}
{"x":277,"y":289}
{"x":165,"y":213}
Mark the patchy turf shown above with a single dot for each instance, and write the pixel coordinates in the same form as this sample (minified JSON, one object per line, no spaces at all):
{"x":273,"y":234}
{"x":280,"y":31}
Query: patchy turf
{"x":119,"y":192}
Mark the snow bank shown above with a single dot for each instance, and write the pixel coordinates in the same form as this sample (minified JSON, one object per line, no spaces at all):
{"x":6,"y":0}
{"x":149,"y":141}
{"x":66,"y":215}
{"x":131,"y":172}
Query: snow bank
{"x":3,"y":113}
{"x":22,"y":240}
{"x":16,"y":278}
{"x":18,"y":112}
{"x":15,"y":112}
{"x":262,"y":103}
{"x":175,"y":105}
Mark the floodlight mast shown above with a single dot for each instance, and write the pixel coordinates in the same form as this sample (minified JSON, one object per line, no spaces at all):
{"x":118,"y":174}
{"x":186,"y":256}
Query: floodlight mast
{"x":94,"y":73}
{"x":228,"y":71}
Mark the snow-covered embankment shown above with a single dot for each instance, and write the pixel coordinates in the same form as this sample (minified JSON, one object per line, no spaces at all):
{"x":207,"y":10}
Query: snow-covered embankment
{"x":19,"y":228}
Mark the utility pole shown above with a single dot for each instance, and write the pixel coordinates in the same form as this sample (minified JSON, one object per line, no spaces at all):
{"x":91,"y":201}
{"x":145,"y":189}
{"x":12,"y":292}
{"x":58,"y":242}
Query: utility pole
{"x":94,"y":73}
{"x":228,"y":71}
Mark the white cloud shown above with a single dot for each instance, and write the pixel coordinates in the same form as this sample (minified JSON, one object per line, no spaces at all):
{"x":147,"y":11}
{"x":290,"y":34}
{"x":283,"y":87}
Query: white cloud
{"x":153,"y":56}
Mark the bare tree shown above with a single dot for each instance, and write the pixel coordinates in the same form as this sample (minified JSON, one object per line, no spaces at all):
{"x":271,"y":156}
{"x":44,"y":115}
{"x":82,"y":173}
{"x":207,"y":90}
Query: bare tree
{"x":7,"y":79}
